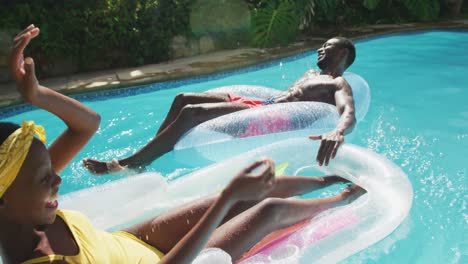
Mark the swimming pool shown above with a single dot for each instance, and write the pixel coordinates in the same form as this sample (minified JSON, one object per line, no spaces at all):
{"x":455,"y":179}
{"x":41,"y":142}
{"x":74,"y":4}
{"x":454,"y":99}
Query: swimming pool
{"x":418,"y":118}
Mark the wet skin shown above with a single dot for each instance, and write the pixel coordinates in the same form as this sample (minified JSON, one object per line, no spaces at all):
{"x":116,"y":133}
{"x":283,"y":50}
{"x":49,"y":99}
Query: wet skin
{"x":31,"y":219}
{"x":36,"y":231}
{"x":189,"y":110}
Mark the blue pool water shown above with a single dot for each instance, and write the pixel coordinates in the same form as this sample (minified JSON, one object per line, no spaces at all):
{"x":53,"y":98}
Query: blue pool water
{"x":418,"y":118}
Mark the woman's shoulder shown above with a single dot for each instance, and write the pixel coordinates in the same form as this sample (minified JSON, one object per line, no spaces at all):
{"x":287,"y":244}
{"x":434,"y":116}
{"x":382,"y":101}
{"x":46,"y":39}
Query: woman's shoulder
{"x":69,"y":213}
{"x":71,"y":217}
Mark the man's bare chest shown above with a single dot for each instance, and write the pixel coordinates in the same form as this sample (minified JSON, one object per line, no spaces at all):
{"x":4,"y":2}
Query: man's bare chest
{"x":313,"y":91}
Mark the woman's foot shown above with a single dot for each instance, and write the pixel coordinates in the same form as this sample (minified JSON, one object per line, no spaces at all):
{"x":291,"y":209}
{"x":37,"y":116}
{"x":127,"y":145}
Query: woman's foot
{"x":102,"y":167}
{"x":333,"y":179}
{"x":352,"y":193}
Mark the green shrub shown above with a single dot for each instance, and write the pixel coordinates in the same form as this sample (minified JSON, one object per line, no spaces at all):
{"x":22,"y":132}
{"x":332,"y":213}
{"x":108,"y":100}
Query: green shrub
{"x":423,"y":10}
{"x":121,"y":33}
{"x":99,"y":34}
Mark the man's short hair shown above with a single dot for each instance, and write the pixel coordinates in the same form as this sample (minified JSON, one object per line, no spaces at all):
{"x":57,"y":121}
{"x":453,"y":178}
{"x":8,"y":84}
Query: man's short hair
{"x":347,"y":44}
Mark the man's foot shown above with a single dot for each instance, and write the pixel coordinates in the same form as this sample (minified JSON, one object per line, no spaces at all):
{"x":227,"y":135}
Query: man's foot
{"x":101,"y":167}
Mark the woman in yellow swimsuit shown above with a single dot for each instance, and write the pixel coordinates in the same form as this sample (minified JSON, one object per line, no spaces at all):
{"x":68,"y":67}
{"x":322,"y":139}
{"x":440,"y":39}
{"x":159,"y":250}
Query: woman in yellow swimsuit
{"x":34,"y":230}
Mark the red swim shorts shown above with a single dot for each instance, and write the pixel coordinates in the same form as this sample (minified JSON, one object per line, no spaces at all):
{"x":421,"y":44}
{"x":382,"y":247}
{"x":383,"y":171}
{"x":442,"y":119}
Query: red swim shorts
{"x":251,"y":103}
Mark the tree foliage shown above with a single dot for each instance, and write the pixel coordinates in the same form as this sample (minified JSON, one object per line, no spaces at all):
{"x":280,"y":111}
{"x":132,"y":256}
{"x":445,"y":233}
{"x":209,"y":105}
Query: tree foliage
{"x":99,"y":34}
{"x":278,"y":21}
{"x":421,"y":9}
{"x":122,"y":33}
{"x":275,"y":23}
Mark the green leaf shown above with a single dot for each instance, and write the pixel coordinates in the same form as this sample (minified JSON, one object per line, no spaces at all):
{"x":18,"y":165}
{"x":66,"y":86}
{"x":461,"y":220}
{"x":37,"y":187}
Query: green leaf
{"x":423,"y":9}
{"x":371,"y":4}
{"x":276,"y":23}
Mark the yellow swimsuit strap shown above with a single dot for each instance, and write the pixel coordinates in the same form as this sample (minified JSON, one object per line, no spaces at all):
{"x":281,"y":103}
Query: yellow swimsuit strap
{"x":43,"y":259}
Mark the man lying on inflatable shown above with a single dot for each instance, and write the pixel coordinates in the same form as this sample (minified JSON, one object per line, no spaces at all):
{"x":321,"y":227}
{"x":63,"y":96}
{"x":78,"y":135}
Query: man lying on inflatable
{"x":190,"y":109}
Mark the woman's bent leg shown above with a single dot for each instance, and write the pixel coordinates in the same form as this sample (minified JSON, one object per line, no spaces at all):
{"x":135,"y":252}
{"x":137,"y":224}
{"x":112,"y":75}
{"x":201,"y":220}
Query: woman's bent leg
{"x":167,"y":229}
{"x":242,"y":232}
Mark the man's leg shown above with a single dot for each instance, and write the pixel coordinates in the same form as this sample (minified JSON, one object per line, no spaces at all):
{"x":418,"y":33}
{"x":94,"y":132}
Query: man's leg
{"x":189,"y":117}
{"x":183,"y":99}
{"x":167,"y":229}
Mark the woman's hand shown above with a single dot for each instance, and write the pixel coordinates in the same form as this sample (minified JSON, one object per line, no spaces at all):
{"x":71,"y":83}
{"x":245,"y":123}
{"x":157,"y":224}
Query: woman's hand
{"x":244,"y":186}
{"x":22,"y":69}
{"x":249,"y":186}
{"x":81,"y":121}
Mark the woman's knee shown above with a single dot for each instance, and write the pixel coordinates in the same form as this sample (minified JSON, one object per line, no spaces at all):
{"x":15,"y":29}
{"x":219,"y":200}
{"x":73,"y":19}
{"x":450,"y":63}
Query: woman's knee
{"x":273,"y":208}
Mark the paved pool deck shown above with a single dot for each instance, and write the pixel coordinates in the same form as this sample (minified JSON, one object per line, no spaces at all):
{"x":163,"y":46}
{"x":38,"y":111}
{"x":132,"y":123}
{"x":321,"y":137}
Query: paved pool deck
{"x":211,"y":63}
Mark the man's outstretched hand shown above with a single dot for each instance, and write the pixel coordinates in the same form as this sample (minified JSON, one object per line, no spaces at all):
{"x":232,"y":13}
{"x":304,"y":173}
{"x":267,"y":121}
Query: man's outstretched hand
{"x":329,"y":145}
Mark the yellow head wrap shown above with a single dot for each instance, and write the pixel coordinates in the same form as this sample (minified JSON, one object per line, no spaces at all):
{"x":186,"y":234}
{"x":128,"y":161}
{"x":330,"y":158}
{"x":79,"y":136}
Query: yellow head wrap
{"x":14,"y":150}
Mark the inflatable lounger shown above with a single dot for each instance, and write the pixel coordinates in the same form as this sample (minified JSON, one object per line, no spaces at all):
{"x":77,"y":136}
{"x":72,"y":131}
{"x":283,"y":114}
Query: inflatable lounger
{"x":241,"y":131}
{"x":329,"y":237}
